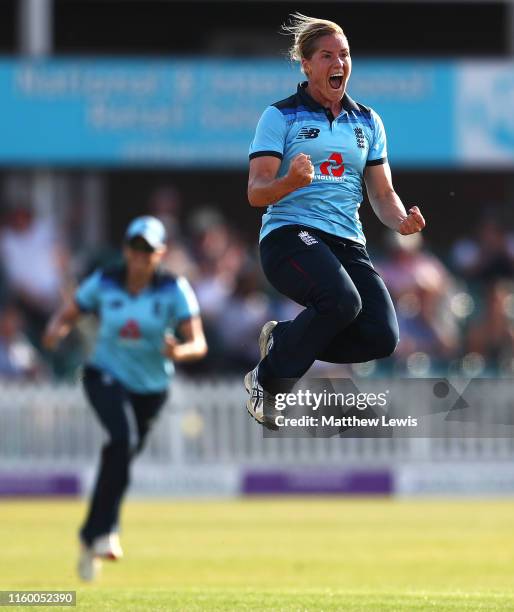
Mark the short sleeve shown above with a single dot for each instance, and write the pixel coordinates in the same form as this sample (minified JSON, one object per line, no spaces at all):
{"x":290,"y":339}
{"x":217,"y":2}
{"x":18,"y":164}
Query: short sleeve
{"x":87,"y":293}
{"x":185,"y":303}
{"x":378,"y":149}
{"x":270,"y":134}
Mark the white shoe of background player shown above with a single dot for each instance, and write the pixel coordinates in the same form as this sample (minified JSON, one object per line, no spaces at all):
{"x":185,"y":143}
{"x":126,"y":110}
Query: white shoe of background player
{"x":89,"y":566}
{"x":108,"y":547}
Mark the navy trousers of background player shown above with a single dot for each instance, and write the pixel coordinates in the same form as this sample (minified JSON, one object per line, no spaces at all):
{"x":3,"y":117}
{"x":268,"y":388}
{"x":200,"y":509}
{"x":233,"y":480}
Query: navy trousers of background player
{"x":127,"y":435}
{"x":349,"y":316}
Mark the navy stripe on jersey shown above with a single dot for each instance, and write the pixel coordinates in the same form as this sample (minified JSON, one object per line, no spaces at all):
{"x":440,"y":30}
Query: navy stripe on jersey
{"x":376,"y":162}
{"x":299,"y":109}
{"x":115,"y":277}
{"x":303,"y":106}
{"x":118,"y":274}
{"x":265,"y":154}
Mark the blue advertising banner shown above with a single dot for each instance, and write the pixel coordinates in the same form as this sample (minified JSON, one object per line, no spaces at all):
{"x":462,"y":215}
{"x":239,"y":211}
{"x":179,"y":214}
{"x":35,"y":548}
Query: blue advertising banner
{"x":415,"y":101}
{"x":202,"y":113}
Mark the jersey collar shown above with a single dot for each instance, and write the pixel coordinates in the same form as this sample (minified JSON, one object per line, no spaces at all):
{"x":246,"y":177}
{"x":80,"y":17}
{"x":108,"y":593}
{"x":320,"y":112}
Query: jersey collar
{"x":122,"y":279}
{"x":347,"y":103}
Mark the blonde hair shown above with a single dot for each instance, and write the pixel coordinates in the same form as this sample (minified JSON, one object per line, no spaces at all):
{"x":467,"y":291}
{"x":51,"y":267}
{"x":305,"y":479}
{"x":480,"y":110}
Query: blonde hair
{"x":306,"y":32}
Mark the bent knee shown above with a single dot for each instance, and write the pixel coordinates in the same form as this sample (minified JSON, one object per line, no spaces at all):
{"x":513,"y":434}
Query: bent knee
{"x":343,"y":308}
{"x":119,"y":445}
{"x":350,"y":305}
{"x":387,"y":341}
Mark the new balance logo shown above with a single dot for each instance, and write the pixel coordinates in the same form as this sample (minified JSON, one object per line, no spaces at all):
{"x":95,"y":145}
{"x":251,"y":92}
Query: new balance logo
{"x":307,"y":238}
{"x":308,"y":133}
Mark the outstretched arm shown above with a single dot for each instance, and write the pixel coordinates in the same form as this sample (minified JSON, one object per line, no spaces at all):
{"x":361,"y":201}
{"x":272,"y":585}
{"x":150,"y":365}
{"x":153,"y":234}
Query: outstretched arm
{"x":387,"y":205}
{"x":194,"y":346}
{"x":61,"y":324}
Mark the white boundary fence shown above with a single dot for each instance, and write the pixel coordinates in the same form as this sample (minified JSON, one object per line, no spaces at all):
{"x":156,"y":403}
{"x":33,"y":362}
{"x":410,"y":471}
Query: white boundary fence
{"x":205,"y":423}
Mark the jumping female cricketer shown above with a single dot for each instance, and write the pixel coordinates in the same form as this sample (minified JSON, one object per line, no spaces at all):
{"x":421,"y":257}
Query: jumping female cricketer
{"x":308,"y":160}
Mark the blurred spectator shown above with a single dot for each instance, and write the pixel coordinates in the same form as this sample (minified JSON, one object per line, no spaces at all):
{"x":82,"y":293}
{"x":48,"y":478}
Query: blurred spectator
{"x":165,"y":203}
{"x":18,"y":358}
{"x":220,"y":256}
{"x":243,"y":316}
{"x":491,"y":336}
{"x":34,"y":261}
{"x":421,"y":288}
{"x":490,"y":255}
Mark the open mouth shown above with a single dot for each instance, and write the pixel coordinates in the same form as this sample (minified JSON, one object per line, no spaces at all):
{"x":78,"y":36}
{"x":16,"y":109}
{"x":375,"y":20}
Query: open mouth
{"x":336,"y":80}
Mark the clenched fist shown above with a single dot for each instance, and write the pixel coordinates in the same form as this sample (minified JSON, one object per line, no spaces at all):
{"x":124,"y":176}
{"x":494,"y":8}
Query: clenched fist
{"x":301,"y":171}
{"x":413,"y":223}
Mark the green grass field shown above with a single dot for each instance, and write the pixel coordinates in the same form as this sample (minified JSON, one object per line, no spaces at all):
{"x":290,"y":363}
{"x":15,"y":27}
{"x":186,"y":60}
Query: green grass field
{"x":274,"y":554}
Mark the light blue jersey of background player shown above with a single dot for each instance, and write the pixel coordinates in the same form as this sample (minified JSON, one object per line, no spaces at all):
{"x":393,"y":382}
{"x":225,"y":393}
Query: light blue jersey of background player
{"x":130,"y":340}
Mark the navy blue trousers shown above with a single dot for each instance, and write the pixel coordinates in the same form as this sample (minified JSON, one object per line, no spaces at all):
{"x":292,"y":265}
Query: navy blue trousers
{"x":126,"y":437}
{"x":348,"y":317}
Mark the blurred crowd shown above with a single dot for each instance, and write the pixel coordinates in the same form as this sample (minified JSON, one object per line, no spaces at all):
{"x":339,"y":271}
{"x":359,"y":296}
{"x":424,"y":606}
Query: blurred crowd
{"x":455,"y":309}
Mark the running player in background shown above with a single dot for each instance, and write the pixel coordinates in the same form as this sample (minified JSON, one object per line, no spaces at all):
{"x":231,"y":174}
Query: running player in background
{"x":139,"y":311}
{"x":308,"y":159}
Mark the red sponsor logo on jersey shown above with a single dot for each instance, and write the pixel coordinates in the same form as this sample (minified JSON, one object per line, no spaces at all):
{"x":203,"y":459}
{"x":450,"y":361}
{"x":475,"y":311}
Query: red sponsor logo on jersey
{"x":131,"y":330}
{"x":334,"y":166}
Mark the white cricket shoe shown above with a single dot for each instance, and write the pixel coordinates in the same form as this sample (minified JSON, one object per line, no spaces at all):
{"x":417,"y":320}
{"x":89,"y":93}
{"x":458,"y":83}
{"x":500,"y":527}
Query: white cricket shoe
{"x":255,"y":403}
{"x":89,"y":566}
{"x":108,"y":547}
{"x":265,"y":337}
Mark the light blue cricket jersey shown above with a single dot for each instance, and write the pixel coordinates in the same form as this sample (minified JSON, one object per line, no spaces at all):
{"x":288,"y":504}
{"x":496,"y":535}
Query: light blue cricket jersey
{"x":131,"y":330}
{"x":339,"y":147}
